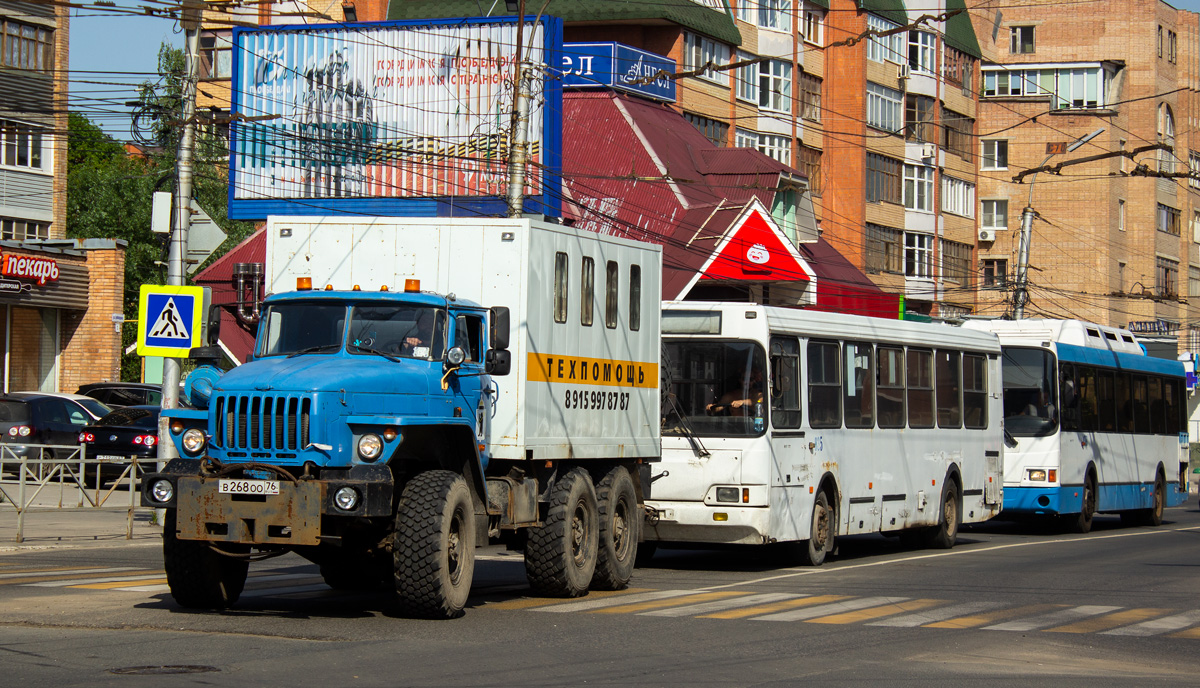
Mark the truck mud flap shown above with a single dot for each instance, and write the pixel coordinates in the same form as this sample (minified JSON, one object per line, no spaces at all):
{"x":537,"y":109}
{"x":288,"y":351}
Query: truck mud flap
{"x":292,"y":517}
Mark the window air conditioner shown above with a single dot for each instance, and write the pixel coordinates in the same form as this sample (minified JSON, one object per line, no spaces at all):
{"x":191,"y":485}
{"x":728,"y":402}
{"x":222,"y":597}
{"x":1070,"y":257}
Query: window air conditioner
{"x":928,"y":151}
{"x":987,"y":235}
{"x":904,"y":69}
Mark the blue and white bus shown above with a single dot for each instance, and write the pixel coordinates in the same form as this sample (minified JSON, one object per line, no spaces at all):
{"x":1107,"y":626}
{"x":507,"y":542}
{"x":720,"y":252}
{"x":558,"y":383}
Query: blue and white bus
{"x":1094,"y":424}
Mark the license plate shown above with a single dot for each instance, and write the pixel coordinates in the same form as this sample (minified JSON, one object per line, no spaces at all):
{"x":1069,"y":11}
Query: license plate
{"x":109,"y":458}
{"x":248,"y":487}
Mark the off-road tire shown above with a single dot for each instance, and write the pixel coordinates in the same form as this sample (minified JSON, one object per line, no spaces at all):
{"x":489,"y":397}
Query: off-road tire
{"x":199,"y":577}
{"x":434,"y":546}
{"x":822,"y":532}
{"x":619,"y":531}
{"x":560,"y":555}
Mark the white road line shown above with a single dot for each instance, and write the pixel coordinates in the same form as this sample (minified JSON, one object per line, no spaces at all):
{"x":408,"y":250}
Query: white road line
{"x":1058,"y":618}
{"x":162,"y":587}
{"x":719,"y":605}
{"x":67,"y":572}
{"x":89,"y":581}
{"x":935,"y":615}
{"x":831,"y":608}
{"x":614,"y":601}
{"x":1165,"y":624}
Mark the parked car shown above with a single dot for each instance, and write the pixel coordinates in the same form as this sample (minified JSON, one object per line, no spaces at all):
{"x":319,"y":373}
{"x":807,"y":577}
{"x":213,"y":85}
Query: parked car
{"x":30,"y":418}
{"x":119,"y":394}
{"x":126,"y":432}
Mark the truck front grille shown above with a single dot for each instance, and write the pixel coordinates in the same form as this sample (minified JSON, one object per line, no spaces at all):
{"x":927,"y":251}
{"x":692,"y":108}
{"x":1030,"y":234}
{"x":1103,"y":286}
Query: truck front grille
{"x":263,"y":422}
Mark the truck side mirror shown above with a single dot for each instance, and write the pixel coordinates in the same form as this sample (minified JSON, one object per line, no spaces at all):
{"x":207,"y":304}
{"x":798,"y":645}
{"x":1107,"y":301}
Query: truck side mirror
{"x":213,"y":325}
{"x":499,"y":328}
{"x":497,"y":362}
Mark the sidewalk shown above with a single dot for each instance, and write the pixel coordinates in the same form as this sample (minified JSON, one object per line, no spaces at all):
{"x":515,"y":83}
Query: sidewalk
{"x":46,"y":526}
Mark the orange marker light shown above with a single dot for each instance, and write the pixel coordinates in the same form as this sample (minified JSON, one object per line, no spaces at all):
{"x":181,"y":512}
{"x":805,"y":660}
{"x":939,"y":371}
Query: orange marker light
{"x":745,"y":495}
{"x":303,"y":283}
{"x":328,"y":287}
{"x":356,"y":288}
{"x":1052,"y":475}
{"x":412,"y":285}
{"x":383,"y":288}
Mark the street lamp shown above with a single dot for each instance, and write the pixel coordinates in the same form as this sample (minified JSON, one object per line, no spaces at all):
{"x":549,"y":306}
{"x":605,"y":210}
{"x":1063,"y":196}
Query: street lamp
{"x":1021,"y":293}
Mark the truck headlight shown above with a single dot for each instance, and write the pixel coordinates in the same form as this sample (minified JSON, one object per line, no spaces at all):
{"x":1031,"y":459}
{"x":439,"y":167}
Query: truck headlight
{"x":370,"y":446}
{"x":193,"y":441}
{"x":346,"y":498}
{"x":162,"y":491}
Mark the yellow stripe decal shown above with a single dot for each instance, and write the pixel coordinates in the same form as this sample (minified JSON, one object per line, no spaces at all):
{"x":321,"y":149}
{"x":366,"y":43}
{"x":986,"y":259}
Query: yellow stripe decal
{"x":668,"y":602}
{"x":581,"y":370}
{"x":773,"y":607}
{"x":976,"y":620}
{"x":875,"y":612}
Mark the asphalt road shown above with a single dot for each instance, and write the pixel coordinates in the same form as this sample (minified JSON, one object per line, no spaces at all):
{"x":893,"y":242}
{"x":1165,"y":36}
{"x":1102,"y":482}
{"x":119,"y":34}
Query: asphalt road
{"x":1013,"y":604}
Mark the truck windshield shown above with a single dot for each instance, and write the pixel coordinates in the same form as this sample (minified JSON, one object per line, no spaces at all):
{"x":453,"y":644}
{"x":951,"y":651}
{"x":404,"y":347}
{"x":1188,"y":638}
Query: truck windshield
{"x":717,"y":388}
{"x":1030,"y":393}
{"x":405,"y":331}
{"x":291,"y":328}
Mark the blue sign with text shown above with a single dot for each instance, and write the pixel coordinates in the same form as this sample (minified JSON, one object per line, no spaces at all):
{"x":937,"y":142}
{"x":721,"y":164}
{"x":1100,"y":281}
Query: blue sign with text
{"x":618,"y":66}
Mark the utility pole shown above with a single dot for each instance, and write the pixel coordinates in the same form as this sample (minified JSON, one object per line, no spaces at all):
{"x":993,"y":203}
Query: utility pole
{"x":177,"y":254}
{"x":518,"y":149}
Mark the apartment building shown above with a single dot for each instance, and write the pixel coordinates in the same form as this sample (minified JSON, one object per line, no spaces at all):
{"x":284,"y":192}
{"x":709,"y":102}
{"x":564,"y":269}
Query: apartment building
{"x":1115,"y":240}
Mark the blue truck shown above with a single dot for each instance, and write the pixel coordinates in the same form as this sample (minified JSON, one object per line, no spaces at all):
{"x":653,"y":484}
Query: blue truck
{"x":388,"y":423}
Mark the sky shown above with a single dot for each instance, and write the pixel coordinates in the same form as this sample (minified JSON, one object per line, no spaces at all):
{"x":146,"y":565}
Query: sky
{"x":126,"y":43}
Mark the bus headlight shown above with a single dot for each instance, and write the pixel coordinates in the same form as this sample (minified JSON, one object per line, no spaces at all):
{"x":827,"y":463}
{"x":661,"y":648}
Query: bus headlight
{"x":162,"y":491}
{"x":1037,"y":475}
{"x":727,"y":494}
{"x":193,"y":441}
{"x":370,"y":446}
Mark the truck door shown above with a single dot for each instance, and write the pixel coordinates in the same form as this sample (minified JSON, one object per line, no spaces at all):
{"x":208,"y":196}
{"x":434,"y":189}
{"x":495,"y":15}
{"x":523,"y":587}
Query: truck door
{"x":467,"y":384}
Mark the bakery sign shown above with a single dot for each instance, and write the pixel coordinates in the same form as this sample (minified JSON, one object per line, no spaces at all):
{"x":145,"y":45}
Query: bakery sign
{"x":39,"y":270}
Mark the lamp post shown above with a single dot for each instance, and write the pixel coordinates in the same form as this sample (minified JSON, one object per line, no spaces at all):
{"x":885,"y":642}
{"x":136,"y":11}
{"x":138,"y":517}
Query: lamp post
{"x":1021,"y":293}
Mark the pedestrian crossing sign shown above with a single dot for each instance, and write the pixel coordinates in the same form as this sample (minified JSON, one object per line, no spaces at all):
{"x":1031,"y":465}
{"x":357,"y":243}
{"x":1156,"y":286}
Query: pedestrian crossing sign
{"x":170,"y":320}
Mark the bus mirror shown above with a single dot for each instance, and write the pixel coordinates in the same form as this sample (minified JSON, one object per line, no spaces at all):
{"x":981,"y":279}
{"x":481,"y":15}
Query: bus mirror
{"x":497,"y":362}
{"x":499,"y":328}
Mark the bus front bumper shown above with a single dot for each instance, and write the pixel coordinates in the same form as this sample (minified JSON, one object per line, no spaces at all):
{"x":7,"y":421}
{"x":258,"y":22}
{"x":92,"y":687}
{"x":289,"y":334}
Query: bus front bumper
{"x":701,"y":523}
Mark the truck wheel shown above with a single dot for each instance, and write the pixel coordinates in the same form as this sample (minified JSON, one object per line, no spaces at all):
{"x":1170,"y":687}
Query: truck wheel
{"x":199,"y":577}
{"x":821,"y":532}
{"x":560,"y":555}
{"x":434,"y":545}
{"x":945,"y":533}
{"x":619,"y":518}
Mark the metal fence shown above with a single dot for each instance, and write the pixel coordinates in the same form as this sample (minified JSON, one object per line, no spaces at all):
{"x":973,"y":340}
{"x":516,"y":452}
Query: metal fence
{"x":48,"y":477}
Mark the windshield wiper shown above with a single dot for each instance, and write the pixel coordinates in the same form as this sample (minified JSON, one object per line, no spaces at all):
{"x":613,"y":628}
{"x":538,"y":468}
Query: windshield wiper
{"x":377,"y":352}
{"x":314,"y":349}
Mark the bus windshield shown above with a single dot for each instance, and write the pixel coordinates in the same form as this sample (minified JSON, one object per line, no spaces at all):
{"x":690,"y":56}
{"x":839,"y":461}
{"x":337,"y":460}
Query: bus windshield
{"x":1030,"y":398}
{"x":715,"y":387}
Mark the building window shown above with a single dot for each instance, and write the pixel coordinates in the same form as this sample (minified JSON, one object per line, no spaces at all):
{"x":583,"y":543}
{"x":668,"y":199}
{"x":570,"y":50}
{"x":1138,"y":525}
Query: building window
{"x":918,"y":255}
{"x":922,"y":52}
{"x":1069,"y":87}
{"x":1196,"y":226}
{"x":995,"y":214}
{"x":1160,"y":41}
{"x":995,"y":273}
{"x":810,"y":25}
{"x":885,"y":107}
{"x":24,"y":46}
{"x":995,"y":154}
{"x":918,"y":116}
{"x":1121,"y":214}
{"x":958,"y":68}
{"x":21,"y":146}
{"x":699,"y":51}
{"x":959,"y":134}
{"x":883,"y":249}
{"x":1193,"y":283}
{"x":956,"y":261}
{"x":776,"y":147}
{"x":773,"y":14}
{"x":1167,"y":278}
{"x":808,"y":161}
{"x":918,"y":188}
{"x":1168,"y":219}
{"x":1020,"y":39}
{"x":744,"y":138}
{"x":216,"y":55}
{"x":12,"y":229}
{"x":810,"y":97}
{"x":775,"y":86}
{"x":747,"y":79}
{"x":1171,"y":45}
{"x":712,"y":129}
{"x":1166,"y":134}
{"x":883,"y":179}
{"x":1194,"y":169}
{"x":958,"y":196}
{"x":884,"y":48}
{"x":784,"y":204}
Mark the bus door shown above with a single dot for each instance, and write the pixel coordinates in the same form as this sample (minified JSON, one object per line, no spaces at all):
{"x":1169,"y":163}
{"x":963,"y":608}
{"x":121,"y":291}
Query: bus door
{"x":790,"y":455}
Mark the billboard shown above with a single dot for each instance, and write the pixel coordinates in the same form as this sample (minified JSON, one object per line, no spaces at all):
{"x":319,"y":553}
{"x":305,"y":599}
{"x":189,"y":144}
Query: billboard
{"x":390,"y":118}
{"x":618,"y":66}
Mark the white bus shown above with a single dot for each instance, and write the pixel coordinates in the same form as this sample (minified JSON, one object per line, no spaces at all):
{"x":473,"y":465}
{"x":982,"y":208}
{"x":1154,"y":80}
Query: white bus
{"x":867,"y":425}
{"x":1098,"y":426}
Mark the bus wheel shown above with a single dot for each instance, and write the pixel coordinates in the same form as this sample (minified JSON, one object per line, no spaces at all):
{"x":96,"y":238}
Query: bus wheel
{"x":434,"y":546}
{"x":1082,"y":522}
{"x":619,"y":518}
{"x":821,"y":532}
{"x":560,"y":555}
{"x":945,"y":533}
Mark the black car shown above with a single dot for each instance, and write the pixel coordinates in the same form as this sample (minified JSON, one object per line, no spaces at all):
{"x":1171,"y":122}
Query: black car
{"x":126,"y":432}
{"x":119,"y":394}
{"x":30,"y":418}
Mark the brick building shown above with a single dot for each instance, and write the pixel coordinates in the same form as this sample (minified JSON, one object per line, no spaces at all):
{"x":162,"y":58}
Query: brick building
{"x":1110,"y":243}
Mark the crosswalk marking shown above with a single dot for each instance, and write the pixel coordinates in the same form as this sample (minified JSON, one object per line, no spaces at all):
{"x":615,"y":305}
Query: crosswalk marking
{"x":719,"y":605}
{"x":25,"y":577}
{"x":527,"y":602}
{"x":1190,"y":633}
{"x":803,"y":601}
{"x":1103,"y":623}
{"x":875,"y":612}
{"x":76,"y":582}
{"x":123,"y":584}
{"x":848,"y":605}
{"x":655,"y":604}
{"x":1053,"y":618}
{"x":931,"y":616}
{"x":1159,"y":626}
{"x":977,"y":620}
{"x":588,"y":604}
{"x":64,"y":571}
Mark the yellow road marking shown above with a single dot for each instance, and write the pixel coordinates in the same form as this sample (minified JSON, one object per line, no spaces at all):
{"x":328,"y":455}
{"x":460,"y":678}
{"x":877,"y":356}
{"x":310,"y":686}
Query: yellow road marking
{"x":47,"y":579}
{"x":120,"y":584}
{"x":976,"y":620}
{"x":1103,"y":623}
{"x":1189,"y":633}
{"x":773,"y":607}
{"x":527,"y":602}
{"x":875,"y":612}
{"x":668,"y":602}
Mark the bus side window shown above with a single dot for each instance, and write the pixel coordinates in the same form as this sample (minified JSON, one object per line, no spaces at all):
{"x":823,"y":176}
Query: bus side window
{"x":1088,"y":415}
{"x":1069,"y":397}
{"x":974,"y":392}
{"x":949,"y":399}
{"x":1106,"y":391}
{"x":920,"y":389}
{"x":1170,"y":406}
{"x":1124,"y":403}
{"x":824,"y":386}
{"x":1158,"y":418}
{"x":890,"y":391}
{"x":1141,"y":407}
{"x":785,"y":382}
{"x":860,"y":386}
